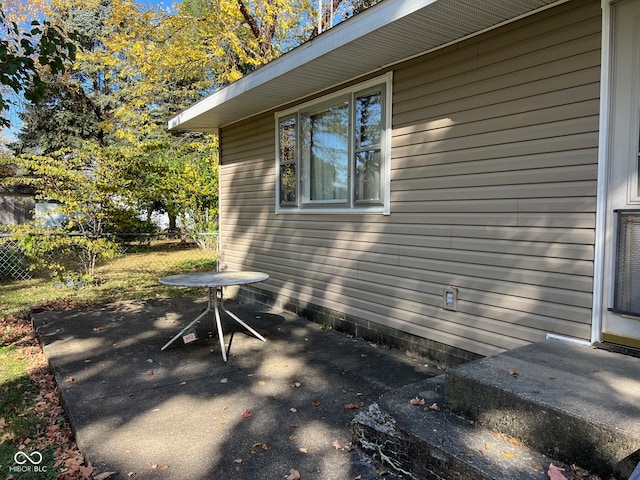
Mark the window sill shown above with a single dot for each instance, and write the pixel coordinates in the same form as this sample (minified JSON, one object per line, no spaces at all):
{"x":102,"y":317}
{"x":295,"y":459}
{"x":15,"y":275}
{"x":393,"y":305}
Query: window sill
{"x":378,"y":210}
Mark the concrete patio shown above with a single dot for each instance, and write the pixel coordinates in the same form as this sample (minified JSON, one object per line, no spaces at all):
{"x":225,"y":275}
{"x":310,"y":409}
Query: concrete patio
{"x":183,"y":413}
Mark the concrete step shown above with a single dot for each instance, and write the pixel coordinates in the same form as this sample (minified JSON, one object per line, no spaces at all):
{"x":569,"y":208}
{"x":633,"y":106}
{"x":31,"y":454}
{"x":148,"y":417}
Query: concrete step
{"x":422,"y":443}
{"x":576,"y":403}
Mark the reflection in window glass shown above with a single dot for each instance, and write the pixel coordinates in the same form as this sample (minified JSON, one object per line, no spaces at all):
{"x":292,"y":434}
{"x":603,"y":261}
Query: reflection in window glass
{"x":287,"y":145}
{"x":368,"y":120}
{"x":367,"y":181}
{"x":368,"y":113}
{"x":326,"y":144}
{"x":288,"y":183}
{"x":638,"y":167}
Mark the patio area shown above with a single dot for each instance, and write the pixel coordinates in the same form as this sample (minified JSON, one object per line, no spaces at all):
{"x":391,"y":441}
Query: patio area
{"x":184,"y":413}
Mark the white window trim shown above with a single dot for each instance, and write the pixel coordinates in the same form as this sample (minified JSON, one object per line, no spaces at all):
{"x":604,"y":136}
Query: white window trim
{"x":385,"y":151}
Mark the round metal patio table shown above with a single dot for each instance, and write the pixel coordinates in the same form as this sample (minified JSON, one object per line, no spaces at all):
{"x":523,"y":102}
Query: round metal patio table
{"x":214,"y":282}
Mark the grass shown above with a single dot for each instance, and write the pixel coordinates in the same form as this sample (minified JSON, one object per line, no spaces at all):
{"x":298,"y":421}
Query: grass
{"x":131,"y":276}
{"x":25,"y":418}
{"x":31,"y":417}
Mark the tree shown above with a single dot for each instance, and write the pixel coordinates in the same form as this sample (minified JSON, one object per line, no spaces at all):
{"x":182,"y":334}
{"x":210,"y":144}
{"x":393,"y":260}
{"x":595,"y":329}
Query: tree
{"x":78,"y":107}
{"x":110,"y":151}
{"x":81,"y":184}
{"x":167,"y":61}
{"x":191,"y":192}
{"x":24,"y":55}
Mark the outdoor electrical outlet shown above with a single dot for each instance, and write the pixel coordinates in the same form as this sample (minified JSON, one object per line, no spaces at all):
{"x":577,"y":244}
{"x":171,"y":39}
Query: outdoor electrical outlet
{"x":450,"y":298}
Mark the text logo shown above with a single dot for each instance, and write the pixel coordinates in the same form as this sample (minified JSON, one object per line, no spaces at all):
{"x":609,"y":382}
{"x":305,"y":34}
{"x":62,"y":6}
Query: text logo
{"x":27,"y":463}
{"x":21,"y":458}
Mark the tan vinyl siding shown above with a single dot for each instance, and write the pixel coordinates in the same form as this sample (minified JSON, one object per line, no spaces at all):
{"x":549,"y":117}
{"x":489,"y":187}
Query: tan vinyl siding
{"x":493,"y":185}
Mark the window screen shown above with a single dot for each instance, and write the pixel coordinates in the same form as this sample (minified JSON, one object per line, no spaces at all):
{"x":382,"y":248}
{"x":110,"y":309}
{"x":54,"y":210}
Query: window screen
{"x":627,"y":281}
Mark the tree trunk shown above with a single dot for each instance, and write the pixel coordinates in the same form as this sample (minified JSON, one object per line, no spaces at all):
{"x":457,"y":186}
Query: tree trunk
{"x":172,"y":223}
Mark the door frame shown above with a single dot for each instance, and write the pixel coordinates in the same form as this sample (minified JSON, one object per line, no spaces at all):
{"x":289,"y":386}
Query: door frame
{"x":605,"y":232}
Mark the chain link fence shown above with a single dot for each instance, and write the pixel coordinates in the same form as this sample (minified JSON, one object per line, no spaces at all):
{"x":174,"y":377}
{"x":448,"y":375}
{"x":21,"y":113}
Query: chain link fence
{"x":190,"y":250}
{"x":13,"y":264}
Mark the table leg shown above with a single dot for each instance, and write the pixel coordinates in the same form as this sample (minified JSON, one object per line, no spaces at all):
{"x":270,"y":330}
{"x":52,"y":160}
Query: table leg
{"x":214,"y":292}
{"x":233,"y":315}
{"x":185,"y":329}
{"x":225,"y":351}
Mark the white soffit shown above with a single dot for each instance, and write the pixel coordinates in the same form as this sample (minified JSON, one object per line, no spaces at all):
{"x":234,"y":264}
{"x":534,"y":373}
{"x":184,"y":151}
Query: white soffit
{"x":381,"y":36}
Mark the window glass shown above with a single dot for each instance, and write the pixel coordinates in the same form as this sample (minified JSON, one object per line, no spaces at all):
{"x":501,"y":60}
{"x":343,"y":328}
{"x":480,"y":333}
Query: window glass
{"x":325,"y":140}
{"x":287,"y":145}
{"x":638,"y":166}
{"x":367,"y":178}
{"x":368,"y":131}
{"x":368,"y":120}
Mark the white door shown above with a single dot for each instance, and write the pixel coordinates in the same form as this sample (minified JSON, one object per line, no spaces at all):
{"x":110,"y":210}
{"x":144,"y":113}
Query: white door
{"x":621,"y":315}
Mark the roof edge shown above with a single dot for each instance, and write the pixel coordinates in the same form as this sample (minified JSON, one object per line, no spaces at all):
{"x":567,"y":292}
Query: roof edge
{"x":336,"y":37}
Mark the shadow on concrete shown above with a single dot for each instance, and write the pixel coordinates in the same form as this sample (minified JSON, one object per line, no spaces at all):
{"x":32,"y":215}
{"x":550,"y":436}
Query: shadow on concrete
{"x":184,"y":413}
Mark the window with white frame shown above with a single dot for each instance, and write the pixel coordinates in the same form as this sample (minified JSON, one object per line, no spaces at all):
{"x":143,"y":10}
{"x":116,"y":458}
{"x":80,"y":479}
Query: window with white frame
{"x":333,"y":153}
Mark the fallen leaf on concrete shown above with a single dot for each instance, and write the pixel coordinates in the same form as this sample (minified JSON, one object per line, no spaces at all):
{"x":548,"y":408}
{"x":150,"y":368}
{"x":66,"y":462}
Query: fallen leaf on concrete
{"x":224,"y":380}
{"x":294,"y":474}
{"x":417,"y":401}
{"x":150,"y":372}
{"x":84,"y":470}
{"x":336,"y":445}
{"x":304,"y":449}
{"x":513,"y":373}
{"x":512,"y":440}
{"x":70,"y":379}
{"x":515,"y":442}
{"x":104,"y":476}
{"x":555,"y":473}
{"x":508,"y":454}
{"x":259,"y":447}
{"x":246,"y":414}
{"x":351,"y":406}
{"x":159,"y":467}
{"x":435,"y":407}
{"x":315,"y":403}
